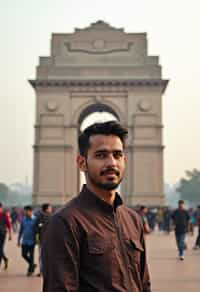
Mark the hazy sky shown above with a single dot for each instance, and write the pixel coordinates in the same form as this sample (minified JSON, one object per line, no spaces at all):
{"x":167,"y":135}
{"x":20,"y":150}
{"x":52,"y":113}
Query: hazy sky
{"x":173,"y":29}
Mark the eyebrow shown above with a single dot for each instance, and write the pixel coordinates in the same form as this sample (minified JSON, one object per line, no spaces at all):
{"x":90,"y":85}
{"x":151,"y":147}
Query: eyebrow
{"x":108,"y":151}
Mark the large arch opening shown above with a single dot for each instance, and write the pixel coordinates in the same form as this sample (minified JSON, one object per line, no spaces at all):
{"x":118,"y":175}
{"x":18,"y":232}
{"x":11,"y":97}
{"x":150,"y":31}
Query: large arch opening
{"x":95,"y":113}
{"x":101,"y":111}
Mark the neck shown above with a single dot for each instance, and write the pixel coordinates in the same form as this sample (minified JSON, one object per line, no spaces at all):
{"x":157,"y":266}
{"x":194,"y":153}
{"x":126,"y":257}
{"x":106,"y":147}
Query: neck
{"x":104,"y":195}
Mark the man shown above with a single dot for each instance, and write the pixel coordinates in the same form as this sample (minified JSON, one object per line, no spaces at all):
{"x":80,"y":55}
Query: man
{"x":5,"y":225}
{"x":14,"y":217}
{"x":41,"y":220}
{"x":166,"y":220}
{"x":181,"y":219}
{"x":95,"y":243}
{"x":197,"y":242}
{"x":27,"y":237}
{"x":143,"y":213}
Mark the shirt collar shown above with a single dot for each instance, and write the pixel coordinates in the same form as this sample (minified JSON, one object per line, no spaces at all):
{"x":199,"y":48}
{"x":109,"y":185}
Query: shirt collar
{"x":94,"y":199}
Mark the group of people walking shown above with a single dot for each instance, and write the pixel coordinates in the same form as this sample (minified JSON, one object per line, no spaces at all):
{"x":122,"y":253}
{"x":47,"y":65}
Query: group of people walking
{"x":29,"y":233}
{"x":179,"y":220}
{"x":32,"y":223}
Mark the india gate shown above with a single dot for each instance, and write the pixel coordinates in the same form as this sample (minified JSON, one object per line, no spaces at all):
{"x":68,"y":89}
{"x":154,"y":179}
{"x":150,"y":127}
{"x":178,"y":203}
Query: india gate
{"x":99,"y":68}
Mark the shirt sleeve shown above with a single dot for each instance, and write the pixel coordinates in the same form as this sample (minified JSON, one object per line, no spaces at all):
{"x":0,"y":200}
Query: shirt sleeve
{"x":60,"y":256}
{"x":20,"y":231}
{"x":7,"y":222}
{"x":144,"y":268}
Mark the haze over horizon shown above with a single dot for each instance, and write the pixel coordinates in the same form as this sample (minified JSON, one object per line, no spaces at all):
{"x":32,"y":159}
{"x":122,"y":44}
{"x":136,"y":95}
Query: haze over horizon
{"x":173,"y":30}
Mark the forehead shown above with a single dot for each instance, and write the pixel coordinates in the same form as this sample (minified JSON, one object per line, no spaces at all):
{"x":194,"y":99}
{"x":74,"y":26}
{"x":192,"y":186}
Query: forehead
{"x":109,"y":142}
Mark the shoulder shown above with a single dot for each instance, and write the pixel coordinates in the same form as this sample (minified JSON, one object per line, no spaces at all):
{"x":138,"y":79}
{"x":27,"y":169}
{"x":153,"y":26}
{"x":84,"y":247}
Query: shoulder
{"x":64,"y":224}
{"x":71,"y":208}
{"x":67,"y":215}
{"x":23,"y":219}
{"x":174,"y":212}
{"x":133,"y":216}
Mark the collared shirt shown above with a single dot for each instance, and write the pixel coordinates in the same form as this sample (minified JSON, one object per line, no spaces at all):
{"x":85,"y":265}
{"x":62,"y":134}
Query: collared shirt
{"x":91,"y":246}
{"x":27,"y":230}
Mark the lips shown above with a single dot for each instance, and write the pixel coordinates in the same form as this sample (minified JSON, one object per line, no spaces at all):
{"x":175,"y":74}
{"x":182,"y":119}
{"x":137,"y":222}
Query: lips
{"x":110,"y":175}
{"x":110,"y":172}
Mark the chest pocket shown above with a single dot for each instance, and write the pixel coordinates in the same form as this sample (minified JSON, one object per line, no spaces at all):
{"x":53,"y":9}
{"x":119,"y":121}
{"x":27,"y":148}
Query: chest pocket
{"x":97,"y":246}
{"x":98,"y":258}
{"x":134,"y":250}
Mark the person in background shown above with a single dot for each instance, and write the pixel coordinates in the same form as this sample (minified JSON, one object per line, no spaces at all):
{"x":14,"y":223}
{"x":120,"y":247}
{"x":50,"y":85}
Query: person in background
{"x":180,"y":219}
{"x":5,"y":225}
{"x":166,"y":220}
{"x":26,"y":238}
{"x":14,"y":218}
{"x":159,"y":218}
{"x":151,"y":216}
{"x":143,"y":213}
{"x":191,"y":221}
{"x":42,"y":219}
{"x":197,"y":242}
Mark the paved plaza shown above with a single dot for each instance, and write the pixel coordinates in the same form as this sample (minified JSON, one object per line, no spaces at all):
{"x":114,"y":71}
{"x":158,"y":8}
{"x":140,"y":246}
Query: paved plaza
{"x":168,"y":274}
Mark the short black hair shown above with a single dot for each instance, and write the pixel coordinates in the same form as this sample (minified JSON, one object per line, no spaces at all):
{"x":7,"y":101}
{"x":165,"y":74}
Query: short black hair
{"x":106,"y":128}
{"x":28,"y":208}
{"x":45,"y":206}
{"x":180,"y":202}
{"x":142,"y":207}
{"x":1,"y":205}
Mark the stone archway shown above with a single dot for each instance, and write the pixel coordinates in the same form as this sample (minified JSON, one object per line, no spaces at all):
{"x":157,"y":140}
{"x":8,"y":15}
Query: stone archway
{"x":98,"y":68}
{"x":97,"y":107}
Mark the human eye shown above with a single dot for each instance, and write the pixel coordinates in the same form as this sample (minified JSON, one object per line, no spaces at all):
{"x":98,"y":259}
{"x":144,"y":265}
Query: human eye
{"x":118,"y":154}
{"x":100,"y":155}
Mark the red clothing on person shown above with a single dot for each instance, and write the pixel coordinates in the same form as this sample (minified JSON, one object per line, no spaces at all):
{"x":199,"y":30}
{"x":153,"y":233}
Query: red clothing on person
{"x":5,"y":217}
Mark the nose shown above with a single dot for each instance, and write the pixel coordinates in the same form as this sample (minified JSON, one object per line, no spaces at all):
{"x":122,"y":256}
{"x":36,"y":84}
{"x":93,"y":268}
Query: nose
{"x":111,"y":161}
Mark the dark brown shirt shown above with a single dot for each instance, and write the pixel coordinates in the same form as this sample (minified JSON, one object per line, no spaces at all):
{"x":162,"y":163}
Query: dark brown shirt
{"x":90,"y":246}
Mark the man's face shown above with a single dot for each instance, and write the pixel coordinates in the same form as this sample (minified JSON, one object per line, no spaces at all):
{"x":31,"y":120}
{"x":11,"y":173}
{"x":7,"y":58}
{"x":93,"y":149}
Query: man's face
{"x":28,"y":213}
{"x":145,"y":210}
{"x":49,"y":210}
{"x":181,"y":206}
{"x":104,"y":165}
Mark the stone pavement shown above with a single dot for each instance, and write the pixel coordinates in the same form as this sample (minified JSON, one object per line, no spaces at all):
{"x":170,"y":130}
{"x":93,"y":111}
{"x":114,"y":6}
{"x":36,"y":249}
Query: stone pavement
{"x":168,"y":274}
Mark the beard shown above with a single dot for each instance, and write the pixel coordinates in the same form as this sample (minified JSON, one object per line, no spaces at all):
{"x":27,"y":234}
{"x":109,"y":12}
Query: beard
{"x":108,"y":185}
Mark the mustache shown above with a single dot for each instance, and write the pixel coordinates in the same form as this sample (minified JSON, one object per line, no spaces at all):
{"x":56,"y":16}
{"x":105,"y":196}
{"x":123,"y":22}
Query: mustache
{"x":108,"y":170}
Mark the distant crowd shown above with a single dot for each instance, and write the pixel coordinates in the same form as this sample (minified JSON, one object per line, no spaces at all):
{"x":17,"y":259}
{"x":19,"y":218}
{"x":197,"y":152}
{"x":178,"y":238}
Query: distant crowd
{"x":180,"y":220}
{"x":29,"y":223}
{"x":161,"y":218}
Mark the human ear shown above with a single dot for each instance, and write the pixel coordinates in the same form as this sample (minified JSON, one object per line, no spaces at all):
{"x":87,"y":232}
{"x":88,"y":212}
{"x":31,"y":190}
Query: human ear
{"x":125,"y":158}
{"x":81,"y":161}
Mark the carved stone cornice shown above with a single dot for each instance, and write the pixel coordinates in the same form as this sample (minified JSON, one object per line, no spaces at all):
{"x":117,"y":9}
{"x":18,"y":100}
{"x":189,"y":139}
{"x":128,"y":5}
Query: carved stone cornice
{"x":99,"y":82}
